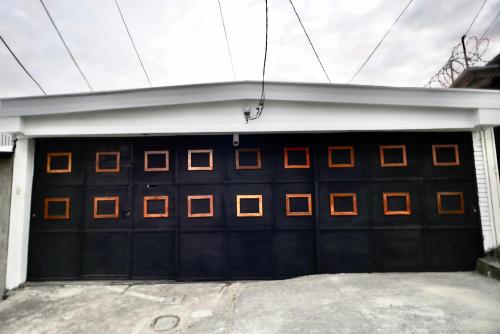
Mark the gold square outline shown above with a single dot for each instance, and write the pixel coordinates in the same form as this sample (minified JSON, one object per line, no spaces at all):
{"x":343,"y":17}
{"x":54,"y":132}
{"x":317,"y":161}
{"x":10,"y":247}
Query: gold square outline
{"x":59,"y":154}
{"x":210,"y":213}
{"x":331,"y":164}
{"x":116,"y":214}
{"x":393,"y":164}
{"x":249,"y":214}
{"x":46,"y":203}
{"x":288,"y":149}
{"x":406,"y":212}
{"x":440,"y":209}
{"x":343,"y":213}
{"x":210,"y":159}
{"x":146,"y":214}
{"x":107,"y":170}
{"x":435,"y":162}
{"x":156,"y":169}
{"x":237,"y":158}
{"x":291,"y":213}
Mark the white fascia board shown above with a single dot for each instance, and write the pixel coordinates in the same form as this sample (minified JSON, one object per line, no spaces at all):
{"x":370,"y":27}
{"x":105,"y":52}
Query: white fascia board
{"x":227,"y":117}
{"x":11,"y":125}
{"x":240,"y":91}
{"x":488,"y":117}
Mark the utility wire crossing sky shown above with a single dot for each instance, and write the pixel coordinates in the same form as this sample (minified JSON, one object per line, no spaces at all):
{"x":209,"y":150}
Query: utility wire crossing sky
{"x":76,"y":46}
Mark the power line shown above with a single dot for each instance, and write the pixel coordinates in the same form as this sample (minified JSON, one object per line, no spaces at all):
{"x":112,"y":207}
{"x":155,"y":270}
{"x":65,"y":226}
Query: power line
{"x":490,"y":25}
{"x":310,"y":42}
{"x":262,"y":100}
{"x":475,"y":17}
{"x":227,"y":40}
{"x":379,"y":43}
{"x":22,"y":66}
{"x":66,"y":46}
{"x":263,"y":91}
{"x":133,"y":44}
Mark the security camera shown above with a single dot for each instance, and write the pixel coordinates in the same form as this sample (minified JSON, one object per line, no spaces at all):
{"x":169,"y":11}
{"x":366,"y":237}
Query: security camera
{"x":236,"y":139}
{"x":246,"y":114}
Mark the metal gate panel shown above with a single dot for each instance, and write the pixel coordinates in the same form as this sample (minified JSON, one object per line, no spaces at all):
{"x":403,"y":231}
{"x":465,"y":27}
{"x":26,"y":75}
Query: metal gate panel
{"x":250,"y":254}
{"x":153,"y":255}
{"x":296,"y":253}
{"x":276,"y":206}
{"x":346,"y":251}
{"x":104,"y":255}
{"x":54,"y":256}
{"x":202,"y":255}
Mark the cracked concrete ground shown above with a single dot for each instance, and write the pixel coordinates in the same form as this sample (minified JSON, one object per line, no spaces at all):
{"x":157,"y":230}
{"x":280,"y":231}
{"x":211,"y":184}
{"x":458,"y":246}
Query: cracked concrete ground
{"x":346,"y":303}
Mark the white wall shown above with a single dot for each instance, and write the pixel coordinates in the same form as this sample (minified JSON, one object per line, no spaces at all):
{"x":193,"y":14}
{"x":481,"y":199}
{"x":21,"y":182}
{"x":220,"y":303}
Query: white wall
{"x":22,"y":178}
{"x":488,"y":185}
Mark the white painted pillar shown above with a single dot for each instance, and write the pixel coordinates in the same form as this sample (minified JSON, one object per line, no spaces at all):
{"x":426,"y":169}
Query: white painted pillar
{"x":20,"y":208}
{"x":488,"y":184}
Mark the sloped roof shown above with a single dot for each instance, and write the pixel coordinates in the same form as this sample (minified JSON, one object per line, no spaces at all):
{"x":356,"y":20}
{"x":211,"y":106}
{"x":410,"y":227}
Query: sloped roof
{"x":249,"y":91}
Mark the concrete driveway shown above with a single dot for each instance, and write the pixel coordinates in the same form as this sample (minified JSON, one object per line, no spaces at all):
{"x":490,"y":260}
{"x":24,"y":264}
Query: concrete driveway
{"x":347,"y":303}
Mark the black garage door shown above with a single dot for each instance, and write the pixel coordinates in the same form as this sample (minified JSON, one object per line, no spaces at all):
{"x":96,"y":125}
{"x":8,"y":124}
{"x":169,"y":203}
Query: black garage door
{"x":276,"y":206}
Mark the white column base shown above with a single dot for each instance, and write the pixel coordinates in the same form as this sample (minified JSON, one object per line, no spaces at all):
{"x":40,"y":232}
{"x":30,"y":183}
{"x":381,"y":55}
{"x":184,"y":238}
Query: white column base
{"x":20,"y":208}
{"x":488,"y":184}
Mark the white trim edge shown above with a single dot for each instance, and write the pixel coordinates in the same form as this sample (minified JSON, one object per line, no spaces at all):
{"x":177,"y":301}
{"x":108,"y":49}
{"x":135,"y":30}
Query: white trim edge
{"x":20,"y":208}
{"x":488,"y":185}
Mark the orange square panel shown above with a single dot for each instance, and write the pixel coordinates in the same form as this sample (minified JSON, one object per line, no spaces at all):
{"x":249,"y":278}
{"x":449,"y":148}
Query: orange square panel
{"x":116,"y":207}
{"x":163,"y":199}
{"x":255,"y":151}
{"x":46,"y":208}
{"x":400,"y":212}
{"x":305,"y":151}
{"x":210,"y":160}
{"x":147,"y":163}
{"x":193,"y":198}
{"x":336,"y":212}
{"x":435,"y":155}
{"x":384,"y":159}
{"x":332,"y":150}
{"x":460,"y":208}
{"x":51,"y":159}
{"x":100,"y":157}
{"x":289,"y":209}
{"x":239,"y":212}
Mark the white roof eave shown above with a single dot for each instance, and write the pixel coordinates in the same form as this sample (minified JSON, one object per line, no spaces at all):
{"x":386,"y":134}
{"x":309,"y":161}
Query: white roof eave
{"x":250,"y":90}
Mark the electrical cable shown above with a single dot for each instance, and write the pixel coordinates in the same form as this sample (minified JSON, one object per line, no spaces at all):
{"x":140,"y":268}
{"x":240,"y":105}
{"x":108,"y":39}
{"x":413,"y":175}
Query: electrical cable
{"x":260,"y":106}
{"x":227,"y":40}
{"x":133,"y":44}
{"x":490,"y":25}
{"x":22,"y":66}
{"x":475,"y":17}
{"x":380,"y":42}
{"x":66,"y":46}
{"x":310,"y":42}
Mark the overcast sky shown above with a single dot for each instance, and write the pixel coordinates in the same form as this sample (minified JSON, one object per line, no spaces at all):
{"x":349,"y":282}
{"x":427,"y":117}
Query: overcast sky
{"x":182,"y":41}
